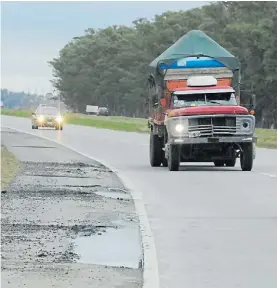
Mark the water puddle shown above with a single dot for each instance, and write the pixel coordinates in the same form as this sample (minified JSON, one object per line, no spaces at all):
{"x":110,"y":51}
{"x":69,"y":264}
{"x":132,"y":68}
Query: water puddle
{"x":114,"y":194}
{"x":115,"y":247}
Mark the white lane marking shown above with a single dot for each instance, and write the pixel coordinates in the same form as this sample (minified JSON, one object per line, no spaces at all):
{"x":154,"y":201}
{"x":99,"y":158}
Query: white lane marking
{"x":269,"y":175}
{"x":150,"y":265}
{"x":265,"y":174}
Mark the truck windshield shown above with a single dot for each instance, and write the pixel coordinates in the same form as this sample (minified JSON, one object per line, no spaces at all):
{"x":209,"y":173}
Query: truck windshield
{"x":187,"y":100}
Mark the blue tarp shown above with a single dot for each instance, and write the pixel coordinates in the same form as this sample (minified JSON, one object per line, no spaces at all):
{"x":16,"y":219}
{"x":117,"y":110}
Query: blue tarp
{"x":195,"y":43}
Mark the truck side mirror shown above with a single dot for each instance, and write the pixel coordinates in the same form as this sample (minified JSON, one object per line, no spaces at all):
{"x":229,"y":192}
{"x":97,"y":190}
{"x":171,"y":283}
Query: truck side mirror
{"x":163,"y":102}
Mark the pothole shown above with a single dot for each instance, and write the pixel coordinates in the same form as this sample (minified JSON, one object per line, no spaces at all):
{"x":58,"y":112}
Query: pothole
{"x":110,"y":247}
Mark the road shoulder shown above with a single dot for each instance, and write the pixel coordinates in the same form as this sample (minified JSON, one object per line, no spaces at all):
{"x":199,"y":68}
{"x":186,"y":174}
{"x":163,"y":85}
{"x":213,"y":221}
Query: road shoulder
{"x":67,"y":221}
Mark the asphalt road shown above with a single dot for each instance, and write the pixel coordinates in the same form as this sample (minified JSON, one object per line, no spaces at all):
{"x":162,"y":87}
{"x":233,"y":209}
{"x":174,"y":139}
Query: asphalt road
{"x":213,"y":227}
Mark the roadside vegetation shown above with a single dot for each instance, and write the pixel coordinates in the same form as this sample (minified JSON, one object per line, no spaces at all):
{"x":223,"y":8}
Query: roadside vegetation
{"x":266,"y":137}
{"x":10,"y":166}
{"x":110,"y":122}
{"x":109,"y":67}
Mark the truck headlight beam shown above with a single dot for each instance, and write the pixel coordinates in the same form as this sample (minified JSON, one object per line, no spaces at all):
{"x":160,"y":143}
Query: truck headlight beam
{"x":179,"y":128}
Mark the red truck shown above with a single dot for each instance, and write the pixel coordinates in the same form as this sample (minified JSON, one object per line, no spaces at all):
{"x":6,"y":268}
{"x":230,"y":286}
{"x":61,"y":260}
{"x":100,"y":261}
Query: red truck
{"x":194,"y":106}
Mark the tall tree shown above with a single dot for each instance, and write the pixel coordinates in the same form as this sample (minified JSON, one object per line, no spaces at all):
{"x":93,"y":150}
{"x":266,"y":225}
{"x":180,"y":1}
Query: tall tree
{"x":109,"y":66}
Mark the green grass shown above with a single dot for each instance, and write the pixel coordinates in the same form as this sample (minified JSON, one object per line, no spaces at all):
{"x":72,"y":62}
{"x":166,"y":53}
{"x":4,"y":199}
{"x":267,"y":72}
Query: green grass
{"x":266,"y":138}
{"x":10,"y":166}
{"x":110,"y":122}
{"x":17,"y":113}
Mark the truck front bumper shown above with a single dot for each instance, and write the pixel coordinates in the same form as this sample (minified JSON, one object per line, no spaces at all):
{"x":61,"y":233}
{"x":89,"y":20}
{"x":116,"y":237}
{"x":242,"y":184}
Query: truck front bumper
{"x":212,"y":140}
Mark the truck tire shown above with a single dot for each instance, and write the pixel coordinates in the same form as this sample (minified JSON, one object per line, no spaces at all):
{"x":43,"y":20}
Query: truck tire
{"x":155,"y":150}
{"x":231,"y":162}
{"x":174,"y":158}
{"x":246,"y":157}
{"x":219,"y":163}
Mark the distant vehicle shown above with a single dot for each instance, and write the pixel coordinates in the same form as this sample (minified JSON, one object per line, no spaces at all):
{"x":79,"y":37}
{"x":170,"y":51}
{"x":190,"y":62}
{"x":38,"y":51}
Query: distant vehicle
{"x":47,"y":116}
{"x":103,"y":111}
{"x":92,"y":110}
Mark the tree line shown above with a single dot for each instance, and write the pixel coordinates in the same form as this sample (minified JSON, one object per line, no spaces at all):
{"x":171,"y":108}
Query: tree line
{"x":109,"y":67}
{"x":20,"y":100}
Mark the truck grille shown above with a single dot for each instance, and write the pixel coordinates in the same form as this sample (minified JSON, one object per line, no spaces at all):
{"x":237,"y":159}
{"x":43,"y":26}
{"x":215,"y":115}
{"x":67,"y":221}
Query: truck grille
{"x":213,"y":126}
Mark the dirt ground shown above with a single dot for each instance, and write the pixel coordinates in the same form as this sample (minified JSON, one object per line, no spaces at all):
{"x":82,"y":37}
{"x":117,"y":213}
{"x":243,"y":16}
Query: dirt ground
{"x":68,"y":223}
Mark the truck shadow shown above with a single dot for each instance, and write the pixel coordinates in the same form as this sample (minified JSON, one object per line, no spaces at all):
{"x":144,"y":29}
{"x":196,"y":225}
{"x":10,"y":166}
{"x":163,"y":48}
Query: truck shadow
{"x":208,"y":168}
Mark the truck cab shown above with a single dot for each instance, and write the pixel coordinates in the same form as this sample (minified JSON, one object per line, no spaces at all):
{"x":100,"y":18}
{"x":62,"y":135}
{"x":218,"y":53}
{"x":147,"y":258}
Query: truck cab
{"x":206,"y":124}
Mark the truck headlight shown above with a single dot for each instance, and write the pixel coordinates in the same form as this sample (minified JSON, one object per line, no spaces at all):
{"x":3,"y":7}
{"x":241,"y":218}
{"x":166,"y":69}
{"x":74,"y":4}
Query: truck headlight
{"x":247,"y":125}
{"x":177,"y":127}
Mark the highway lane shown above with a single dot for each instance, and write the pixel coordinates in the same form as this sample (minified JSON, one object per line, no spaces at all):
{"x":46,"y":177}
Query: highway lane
{"x":212,"y":227}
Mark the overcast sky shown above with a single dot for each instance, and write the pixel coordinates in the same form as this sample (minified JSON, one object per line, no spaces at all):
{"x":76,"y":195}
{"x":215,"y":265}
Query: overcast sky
{"x":32,"y":33}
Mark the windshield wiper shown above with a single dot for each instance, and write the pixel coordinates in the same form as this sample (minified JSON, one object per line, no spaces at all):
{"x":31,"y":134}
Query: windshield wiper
{"x":215,"y":102}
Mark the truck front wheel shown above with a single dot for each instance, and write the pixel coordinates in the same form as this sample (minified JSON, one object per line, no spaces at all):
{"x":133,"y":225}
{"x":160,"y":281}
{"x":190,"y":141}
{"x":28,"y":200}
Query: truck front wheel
{"x":155,"y":150}
{"x":246,"y":157}
{"x":174,"y":158}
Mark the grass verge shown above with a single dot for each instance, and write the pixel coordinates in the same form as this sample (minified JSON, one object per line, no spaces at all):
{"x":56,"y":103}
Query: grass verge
{"x":10,"y":166}
{"x":266,"y":138}
{"x":111,"y":122}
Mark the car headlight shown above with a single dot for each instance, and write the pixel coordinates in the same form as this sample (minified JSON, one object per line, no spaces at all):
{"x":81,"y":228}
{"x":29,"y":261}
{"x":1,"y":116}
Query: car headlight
{"x":59,"y":119}
{"x":41,"y":118}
